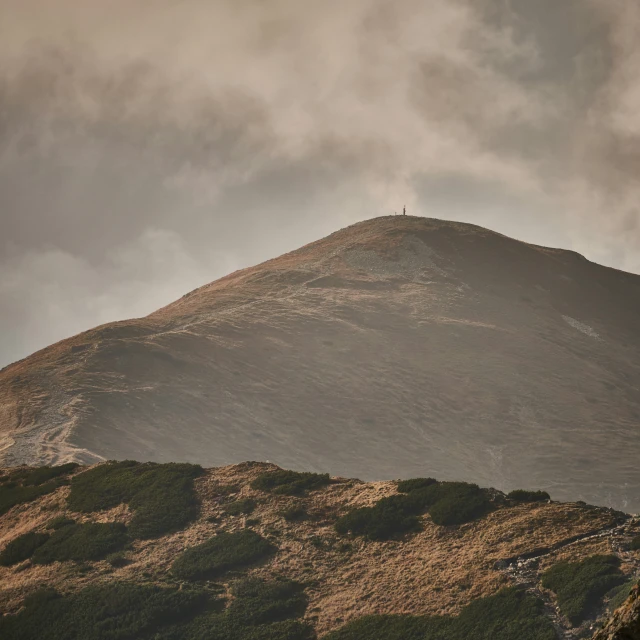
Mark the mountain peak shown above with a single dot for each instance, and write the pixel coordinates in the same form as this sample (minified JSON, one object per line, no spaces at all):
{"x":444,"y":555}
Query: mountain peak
{"x":399,"y":346}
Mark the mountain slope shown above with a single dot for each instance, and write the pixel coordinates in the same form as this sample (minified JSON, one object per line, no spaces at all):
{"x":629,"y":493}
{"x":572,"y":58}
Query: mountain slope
{"x":396,"y":347}
{"x":474,"y":572}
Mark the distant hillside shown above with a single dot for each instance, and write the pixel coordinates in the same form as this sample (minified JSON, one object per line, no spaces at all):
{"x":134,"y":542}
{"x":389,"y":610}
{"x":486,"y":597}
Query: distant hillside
{"x":253,"y":552}
{"x":397,"y":347}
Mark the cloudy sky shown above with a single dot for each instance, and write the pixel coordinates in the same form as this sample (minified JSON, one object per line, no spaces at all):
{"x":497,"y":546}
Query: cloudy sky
{"x":150,"y":146}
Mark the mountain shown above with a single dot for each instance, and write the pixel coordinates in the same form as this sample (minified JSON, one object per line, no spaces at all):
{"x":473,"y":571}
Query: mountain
{"x":397,"y":347}
{"x":253,"y":552}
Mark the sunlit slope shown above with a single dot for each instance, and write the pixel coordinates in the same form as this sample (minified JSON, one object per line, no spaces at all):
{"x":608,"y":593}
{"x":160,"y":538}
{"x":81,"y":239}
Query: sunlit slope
{"x":396,"y":347}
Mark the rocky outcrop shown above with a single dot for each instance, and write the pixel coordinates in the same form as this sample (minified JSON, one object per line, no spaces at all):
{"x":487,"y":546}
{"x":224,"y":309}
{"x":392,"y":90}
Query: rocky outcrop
{"x":625,"y":622}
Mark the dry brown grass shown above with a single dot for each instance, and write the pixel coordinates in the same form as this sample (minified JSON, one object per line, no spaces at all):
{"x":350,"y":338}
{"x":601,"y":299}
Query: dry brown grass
{"x":439,"y":570}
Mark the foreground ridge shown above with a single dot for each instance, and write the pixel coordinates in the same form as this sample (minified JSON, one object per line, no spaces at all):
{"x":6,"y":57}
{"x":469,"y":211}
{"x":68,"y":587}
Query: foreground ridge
{"x":331,"y":555}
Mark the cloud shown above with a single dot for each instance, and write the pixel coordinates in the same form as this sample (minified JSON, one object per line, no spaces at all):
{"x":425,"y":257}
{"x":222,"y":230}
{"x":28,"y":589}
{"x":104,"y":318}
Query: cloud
{"x":263,"y":125}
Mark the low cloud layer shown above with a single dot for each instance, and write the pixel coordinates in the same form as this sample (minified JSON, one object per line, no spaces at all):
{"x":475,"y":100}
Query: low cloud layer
{"x":148,"y":147}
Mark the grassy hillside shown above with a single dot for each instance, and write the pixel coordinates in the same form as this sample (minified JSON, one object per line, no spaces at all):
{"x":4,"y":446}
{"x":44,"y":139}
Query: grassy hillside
{"x":247,"y":552}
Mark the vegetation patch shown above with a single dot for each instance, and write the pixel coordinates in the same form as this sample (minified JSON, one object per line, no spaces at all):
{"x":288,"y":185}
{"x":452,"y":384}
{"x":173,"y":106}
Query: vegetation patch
{"x":295,"y":514}
{"x":617,"y":596}
{"x":22,"y":548}
{"x":82,"y":542}
{"x":27,"y":484}
{"x":635,"y":544}
{"x":259,"y":610}
{"x":415,"y":484}
{"x":241,"y":507}
{"x":448,"y":503}
{"x":117,"y":611}
{"x":521,"y":495}
{"x":162,"y":496}
{"x":59,"y":523}
{"x":259,"y":602}
{"x":510,"y":614}
{"x":32,"y":477}
{"x":220,"y":554}
{"x":581,"y":586}
{"x":291,"y":483}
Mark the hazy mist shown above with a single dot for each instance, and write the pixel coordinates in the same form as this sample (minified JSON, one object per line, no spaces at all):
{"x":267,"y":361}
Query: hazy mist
{"x":148,"y":147}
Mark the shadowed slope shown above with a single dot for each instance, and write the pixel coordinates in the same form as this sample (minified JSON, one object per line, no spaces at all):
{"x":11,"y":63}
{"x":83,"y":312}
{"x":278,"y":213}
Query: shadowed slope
{"x":396,"y":347}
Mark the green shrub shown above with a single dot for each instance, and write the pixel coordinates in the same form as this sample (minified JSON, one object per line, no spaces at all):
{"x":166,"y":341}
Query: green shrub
{"x":521,"y":495}
{"x":635,"y":544}
{"x":448,"y":503}
{"x":407,"y":486}
{"x":291,"y":483}
{"x":388,"y":518}
{"x":294,"y":514}
{"x":617,"y":596}
{"x":241,"y":507}
{"x":59,"y":523}
{"x":22,"y":548}
{"x":117,"y":560}
{"x":459,"y":507}
{"x":28,"y":483}
{"x":82,"y":542}
{"x":162,"y":496}
{"x":117,"y":611}
{"x":221,"y":553}
{"x":122,"y":611}
{"x":580,"y":586}
{"x":259,"y":602}
{"x":511,"y":614}
{"x":40,"y":475}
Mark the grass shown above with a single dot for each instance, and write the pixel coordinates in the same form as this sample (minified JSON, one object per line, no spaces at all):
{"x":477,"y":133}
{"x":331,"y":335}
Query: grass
{"x":448,"y":503}
{"x":162,"y":496}
{"x":59,"y":523}
{"x":117,"y":611}
{"x":617,"y":596}
{"x":37,"y":476}
{"x":291,"y":483}
{"x":22,"y":548}
{"x":244,"y":507}
{"x":581,"y":586}
{"x":220,"y":554}
{"x":521,"y":495}
{"x":258,"y":602}
{"x":511,"y":614}
{"x":82,"y":543}
{"x":259,"y":610}
{"x":294,"y":514}
{"x":28,"y":483}
{"x":407,"y":486}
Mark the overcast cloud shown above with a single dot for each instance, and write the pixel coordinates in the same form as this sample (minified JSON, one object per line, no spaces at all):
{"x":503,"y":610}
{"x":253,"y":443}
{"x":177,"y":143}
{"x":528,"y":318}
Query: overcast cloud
{"x":148,"y":147}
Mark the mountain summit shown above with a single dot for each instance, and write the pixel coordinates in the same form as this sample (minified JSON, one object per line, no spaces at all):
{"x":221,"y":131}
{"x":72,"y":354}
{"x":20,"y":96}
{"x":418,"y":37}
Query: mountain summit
{"x":396,"y":347}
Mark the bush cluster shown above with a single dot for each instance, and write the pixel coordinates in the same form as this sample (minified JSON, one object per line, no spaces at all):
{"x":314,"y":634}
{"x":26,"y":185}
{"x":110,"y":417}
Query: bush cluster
{"x":162,"y":496}
{"x":581,"y":586}
{"x":59,"y":523}
{"x":220,"y":554}
{"x":635,"y":544}
{"x":27,"y":484}
{"x":510,"y":614}
{"x":521,"y":495}
{"x":22,"y":548}
{"x":415,"y":484}
{"x":294,"y":514}
{"x":117,"y":611}
{"x":617,"y":596}
{"x":123,"y":611}
{"x":448,"y":503}
{"x":291,"y":483}
{"x":82,"y":543}
{"x":241,"y":507}
{"x":259,"y":602}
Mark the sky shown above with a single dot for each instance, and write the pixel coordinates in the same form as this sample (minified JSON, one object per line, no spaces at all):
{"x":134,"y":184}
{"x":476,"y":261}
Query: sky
{"x":148,"y":147}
